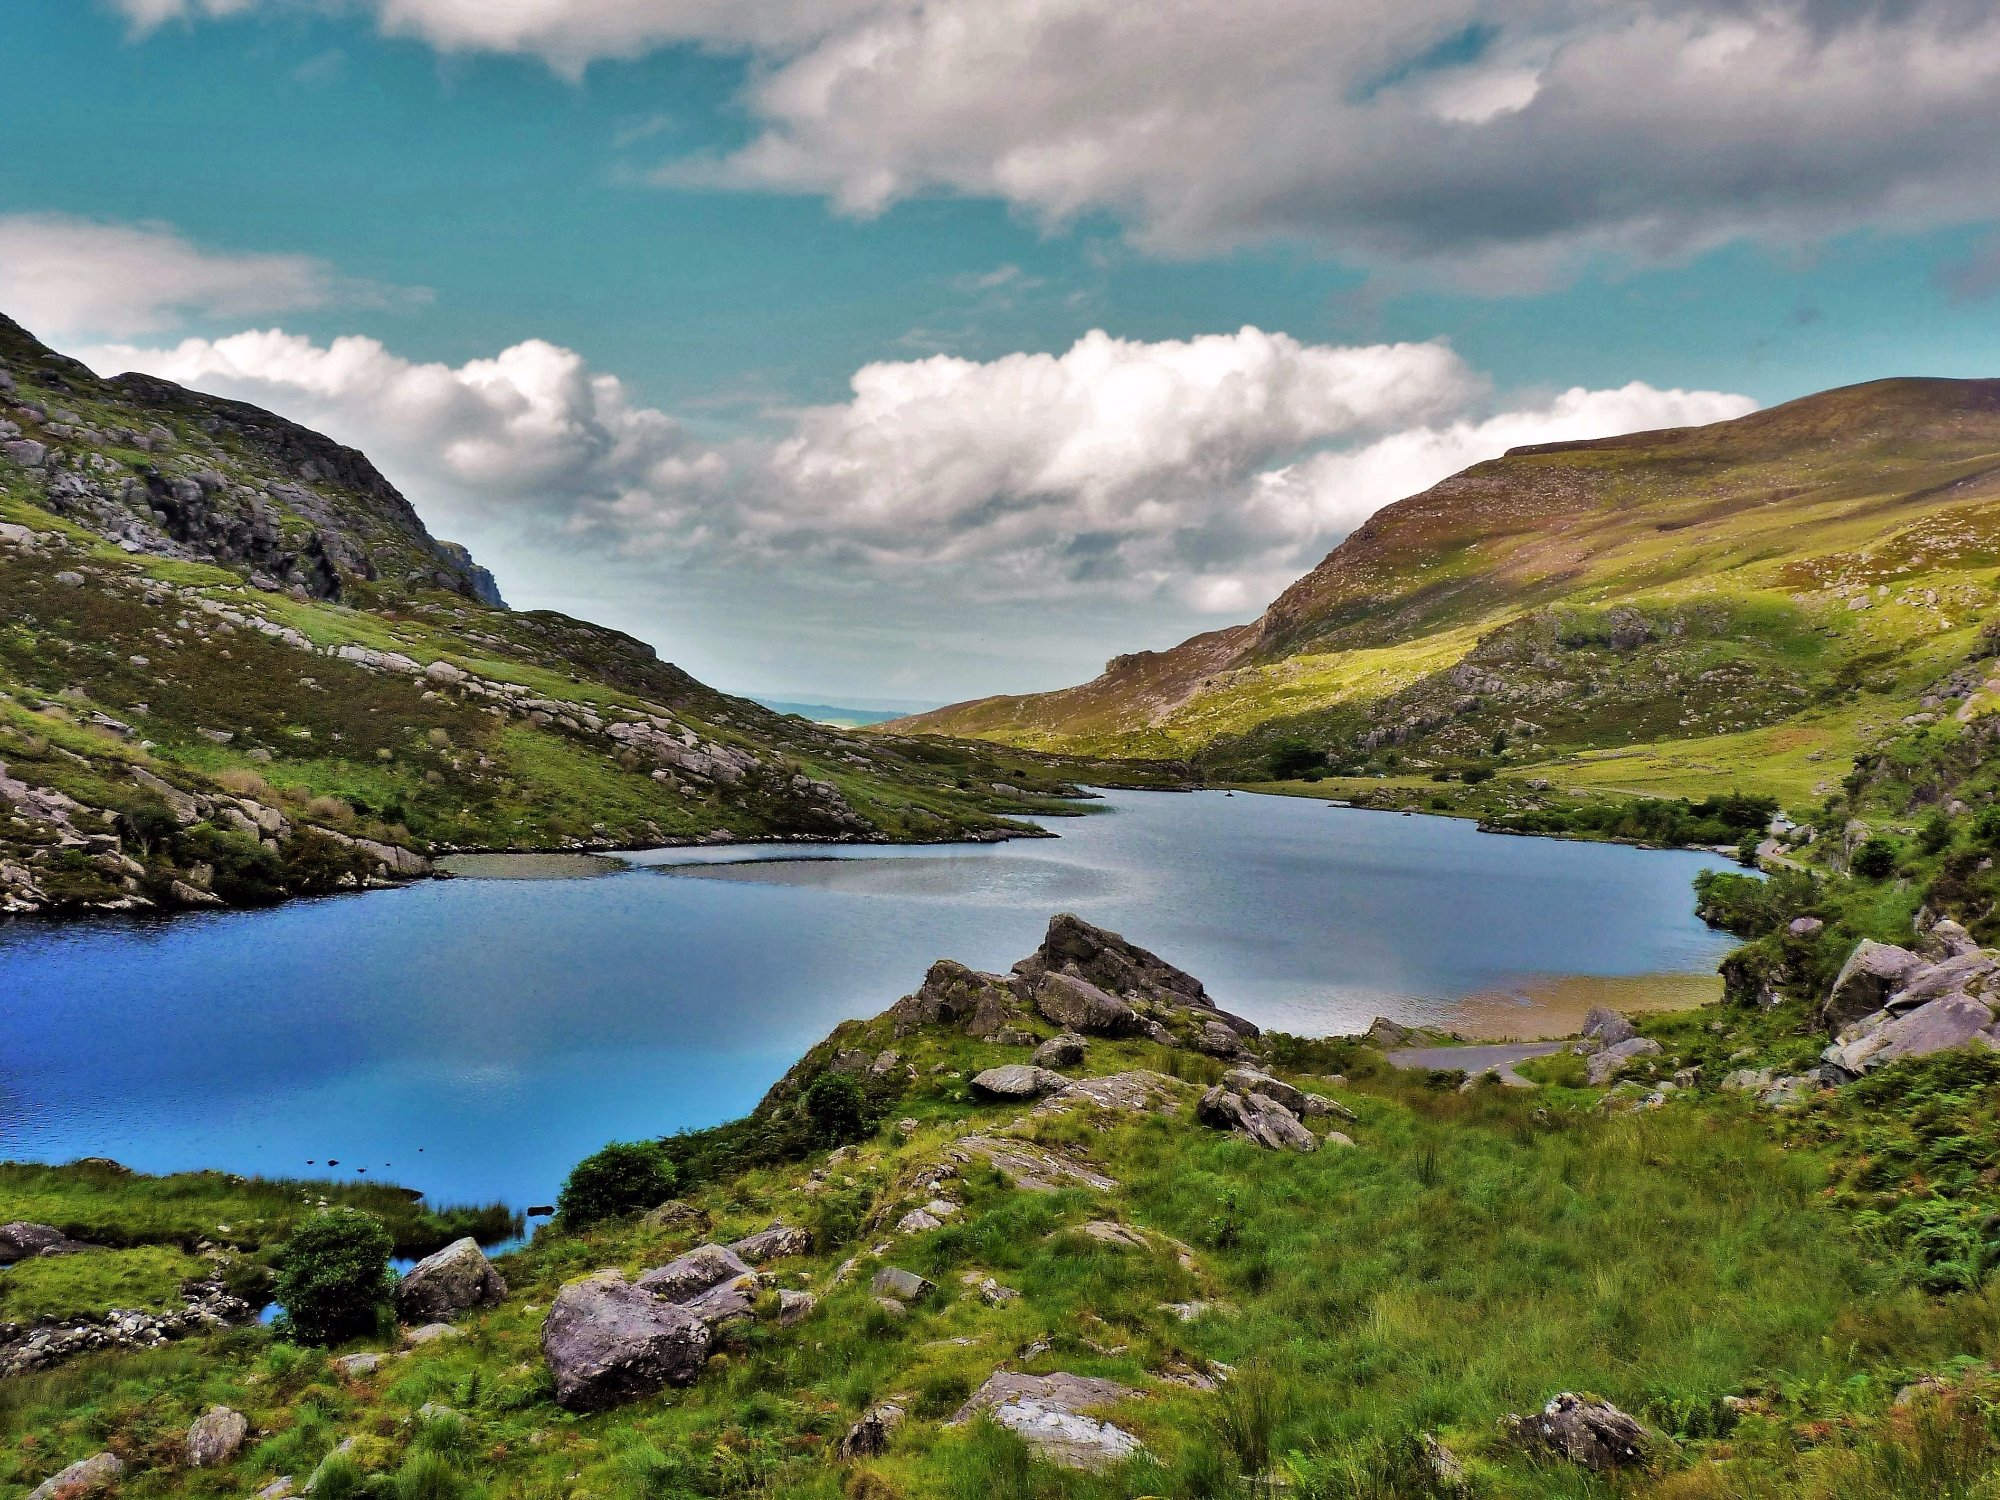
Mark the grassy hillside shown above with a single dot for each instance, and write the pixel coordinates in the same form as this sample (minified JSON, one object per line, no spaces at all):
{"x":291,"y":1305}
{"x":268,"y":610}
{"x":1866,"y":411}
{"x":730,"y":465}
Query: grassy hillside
{"x":234,"y":665}
{"x":1747,"y":600}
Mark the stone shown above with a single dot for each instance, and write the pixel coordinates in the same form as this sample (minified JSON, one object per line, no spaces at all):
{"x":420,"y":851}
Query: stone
{"x":1873,"y":971}
{"x":607,"y":1340}
{"x":1944,"y":1023}
{"x":729,"y":1301}
{"x":1107,"y":1232}
{"x":904,"y":1286}
{"x":1052,"y":1415}
{"x":1064,"y":1051}
{"x":1608,"y":1064}
{"x":86,"y":1476}
{"x":1018,"y":1081}
{"x":1250,"y":1081}
{"x":1032,"y":1168}
{"x":447,"y":1282}
{"x":774,"y":1243}
{"x":354,"y":1366}
{"x":1217,"y":1040}
{"x":1139,"y":1091}
{"x":1966,"y":973}
{"x":1575,"y":1429}
{"x":1805,"y":927}
{"x":1950,"y":939}
{"x":1257,"y":1116}
{"x":1607,"y":1026}
{"x":1387,"y":1034}
{"x":953,"y":995}
{"x":216,"y":1437}
{"x":22,"y":1241}
{"x":688,"y":1276}
{"x":917,"y":1221}
{"x":795,"y":1307}
{"x":676,"y":1214}
{"x":869,"y":1435}
{"x":429,"y":1333}
{"x":1078,"y":1005}
{"x":26,"y":452}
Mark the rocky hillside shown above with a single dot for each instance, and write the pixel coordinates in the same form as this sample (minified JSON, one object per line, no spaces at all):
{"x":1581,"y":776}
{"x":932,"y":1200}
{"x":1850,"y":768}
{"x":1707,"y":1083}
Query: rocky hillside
{"x":1076,"y":1231}
{"x":1648,"y":612}
{"x":235,"y":665}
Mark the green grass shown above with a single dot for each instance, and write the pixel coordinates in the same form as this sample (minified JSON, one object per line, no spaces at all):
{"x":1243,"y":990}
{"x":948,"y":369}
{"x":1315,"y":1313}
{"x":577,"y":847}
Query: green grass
{"x":91,"y":1283}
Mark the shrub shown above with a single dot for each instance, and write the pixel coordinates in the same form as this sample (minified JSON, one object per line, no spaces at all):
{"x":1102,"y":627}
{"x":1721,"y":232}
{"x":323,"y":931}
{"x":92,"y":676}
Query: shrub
{"x":626,"y":1177}
{"x":838,"y":1112}
{"x":334,"y":1280}
{"x":1291,"y":758}
{"x":1875,"y":859}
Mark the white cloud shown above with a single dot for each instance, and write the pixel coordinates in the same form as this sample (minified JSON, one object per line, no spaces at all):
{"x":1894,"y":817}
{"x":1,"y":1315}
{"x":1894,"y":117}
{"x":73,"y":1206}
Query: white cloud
{"x":1211,"y":471}
{"x":69,"y":277}
{"x":1497,"y":145}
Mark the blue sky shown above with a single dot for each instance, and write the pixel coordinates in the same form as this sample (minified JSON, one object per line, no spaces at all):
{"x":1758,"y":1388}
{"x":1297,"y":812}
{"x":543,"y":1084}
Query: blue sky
{"x":659,"y":190}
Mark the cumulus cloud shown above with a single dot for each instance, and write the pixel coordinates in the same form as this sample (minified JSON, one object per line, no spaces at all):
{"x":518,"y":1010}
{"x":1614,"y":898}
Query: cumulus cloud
{"x":64,"y":277}
{"x":1211,"y":471}
{"x":1498,"y":145}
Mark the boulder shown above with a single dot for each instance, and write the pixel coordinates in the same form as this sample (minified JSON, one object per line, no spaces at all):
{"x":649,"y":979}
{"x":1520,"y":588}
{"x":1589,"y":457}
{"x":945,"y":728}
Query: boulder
{"x":1258,"y":1116}
{"x":429,"y":1333}
{"x":869,"y":1436}
{"x":1873,"y":971}
{"x":1877,"y":1040}
{"x":607,"y":1340}
{"x":774,"y":1243}
{"x":447,"y":1282}
{"x":87,"y":1476}
{"x":1078,"y":1005}
{"x":1051,"y":1414}
{"x":676,"y":1213}
{"x":1607,"y":1026}
{"x":1217,"y":1040}
{"x":1064,"y":1051}
{"x":953,"y":995}
{"x":216,"y":1437}
{"x":1018,"y":1081}
{"x":904,"y":1286}
{"x":1805,"y":927}
{"x":1250,"y":1081}
{"x":1962,"y":973}
{"x":1106,"y":960}
{"x":1949,"y":939}
{"x":688,"y":1276}
{"x":1581,"y":1430}
{"x":1608,"y":1064}
{"x":795,"y":1307}
{"x":22,"y":1241}
{"x":354,"y":1366}
{"x":1387,"y":1034}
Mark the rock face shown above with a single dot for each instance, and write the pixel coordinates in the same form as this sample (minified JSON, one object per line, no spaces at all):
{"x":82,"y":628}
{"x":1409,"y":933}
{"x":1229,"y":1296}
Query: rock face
{"x":1145,"y":994}
{"x":1018,"y":1081}
{"x":447,"y":1282}
{"x":1918,"y":1003}
{"x":953,"y":995}
{"x":1593,"y":1434}
{"x":1608,"y":1064}
{"x":1257,"y":1116}
{"x":1050,"y":1413}
{"x":607,"y":1340}
{"x":87,"y":1476}
{"x":215,"y":1437}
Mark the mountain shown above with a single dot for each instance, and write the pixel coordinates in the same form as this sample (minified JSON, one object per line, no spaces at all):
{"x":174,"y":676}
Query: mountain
{"x":235,"y":665}
{"x":1647,"y":612}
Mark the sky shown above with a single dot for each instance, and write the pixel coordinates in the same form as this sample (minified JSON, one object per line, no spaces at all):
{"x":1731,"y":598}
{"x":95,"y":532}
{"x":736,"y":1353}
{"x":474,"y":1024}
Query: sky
{"x":903,"y":351}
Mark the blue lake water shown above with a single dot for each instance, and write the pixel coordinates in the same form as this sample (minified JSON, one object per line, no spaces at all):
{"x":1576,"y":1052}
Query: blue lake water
{"x":473,"y":1038}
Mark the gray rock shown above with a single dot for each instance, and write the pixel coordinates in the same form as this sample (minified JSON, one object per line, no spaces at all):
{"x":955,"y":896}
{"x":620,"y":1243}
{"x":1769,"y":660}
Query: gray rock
{"x":688,"y":1276}
{"x":26,"y":452}
{"x":1947,"y":1022}
{"x":1962,"y":973}
{"x":1805,"y":927}
{"x":1052,"y":1415}
{"x":216,"y":1437}
{"x":1031,"y":1168}
{"x":1064,"y":1051}
{"x":607,"y":1340}
{"x":795,"y":1307}
{"x":86,"y":1476}
{"x":869,"y":1436}
{"x":774,"y":1243}
{"x":904,"y":1286}
{"x":447,"y":1282}
{"x":1250,"y":1081}
{"x":953,"y":995}
{"x":1608,"y":1064}
{"x":1873,"y":972}
{"x":22,"y":1241}
{"x":430,"y":1333}
{"x":1257,"y":1116}
{"x":1607,"y":1026}
{"x":1594,"y":1435}
{"x":1018,"y":1081}
{"x":1950,"y":939}
{"x":354,"y":1366}
{"x":1078,"y":1005}
{"x":1217,"y":1040}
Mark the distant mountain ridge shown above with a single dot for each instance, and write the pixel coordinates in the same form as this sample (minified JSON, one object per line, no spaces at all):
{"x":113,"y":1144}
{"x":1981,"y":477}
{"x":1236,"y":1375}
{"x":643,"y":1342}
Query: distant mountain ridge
{"x":1703,"y":585}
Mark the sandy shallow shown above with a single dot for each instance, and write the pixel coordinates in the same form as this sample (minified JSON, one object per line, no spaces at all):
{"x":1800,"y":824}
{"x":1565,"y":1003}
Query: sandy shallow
{"x":1555,"y":1007}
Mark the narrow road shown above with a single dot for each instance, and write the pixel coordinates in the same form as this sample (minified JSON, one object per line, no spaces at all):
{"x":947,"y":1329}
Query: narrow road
{"x":1497,"y":1060}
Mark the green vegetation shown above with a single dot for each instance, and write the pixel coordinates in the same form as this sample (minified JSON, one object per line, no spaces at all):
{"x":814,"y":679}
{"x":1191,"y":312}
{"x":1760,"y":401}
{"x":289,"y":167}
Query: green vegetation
{"x":625,"y":1177}
{"x":333,"y":1277}
{"x":91,"y":1283}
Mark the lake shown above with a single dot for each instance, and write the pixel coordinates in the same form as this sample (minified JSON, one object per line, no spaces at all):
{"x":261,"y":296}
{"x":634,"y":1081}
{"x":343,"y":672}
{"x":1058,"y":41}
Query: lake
{"x":475,"y":1037}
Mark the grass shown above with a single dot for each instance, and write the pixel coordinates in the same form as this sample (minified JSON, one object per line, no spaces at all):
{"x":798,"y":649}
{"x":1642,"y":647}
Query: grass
{"x":146,"y":1278}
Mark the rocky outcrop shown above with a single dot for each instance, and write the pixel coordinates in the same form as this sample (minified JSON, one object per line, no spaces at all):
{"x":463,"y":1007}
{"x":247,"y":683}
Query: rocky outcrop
{"x":953,"y":995}
{"x":1921,"y":1002}
{"x":773,"y":1243}
{"x":210,"y":1306}
{"x":1256,"y":1116}
{"x":216,"y":1437}
{"x":1119,"y":988}
{"x":1581,"y":1430}
{"x":1064,"y":1051}
{"x":607,"y":1340}
{"x":1017,"y":1081}
{"x":1607,"y":1064}
{"x":700,"y":1270}
{"x":21,"y":1241}
{"x":447,"y":1282}
{"x":1054,"y":1416}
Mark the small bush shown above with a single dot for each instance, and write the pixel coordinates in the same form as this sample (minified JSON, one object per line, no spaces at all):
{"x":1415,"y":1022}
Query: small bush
{"x":334,"y":1280}
{"x":626,"y":1177}
{"x":1875,"y":859}
{"x":837,"y":1109}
